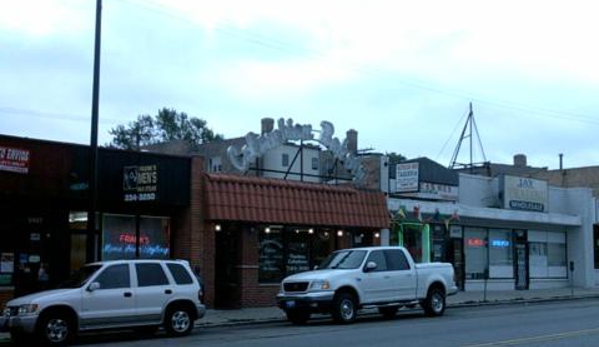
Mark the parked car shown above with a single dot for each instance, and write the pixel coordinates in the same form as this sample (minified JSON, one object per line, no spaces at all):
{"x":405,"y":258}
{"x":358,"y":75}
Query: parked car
{"x":139,"y":294}
{"x":379,"y":277}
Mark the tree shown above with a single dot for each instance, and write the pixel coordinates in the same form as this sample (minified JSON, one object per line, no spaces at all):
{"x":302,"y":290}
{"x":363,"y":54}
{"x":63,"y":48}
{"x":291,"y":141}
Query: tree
{"x":395,"y":158}
{"x":167,"y":125}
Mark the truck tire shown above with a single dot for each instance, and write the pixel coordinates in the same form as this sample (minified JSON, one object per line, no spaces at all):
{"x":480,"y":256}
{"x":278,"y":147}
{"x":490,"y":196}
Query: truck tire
{"x":388,"y":311}
{"x":344,"y":308}
{"x":434,"y":304}
{"x":298,"y":317}
{"x":55,"y":329}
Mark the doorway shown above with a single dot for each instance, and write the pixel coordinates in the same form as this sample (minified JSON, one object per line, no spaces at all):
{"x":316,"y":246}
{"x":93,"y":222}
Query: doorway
{"x":521,"y":259}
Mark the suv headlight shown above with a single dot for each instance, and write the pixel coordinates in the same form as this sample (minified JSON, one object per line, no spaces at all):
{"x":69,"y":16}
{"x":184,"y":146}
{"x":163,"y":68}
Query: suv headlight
{"x":320,"y":285}
{"x":6,"y":311}
{"x":28,"y":309}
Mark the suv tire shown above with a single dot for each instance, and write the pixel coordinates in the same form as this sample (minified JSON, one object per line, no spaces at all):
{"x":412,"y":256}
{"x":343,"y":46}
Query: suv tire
{"x":434,"y":304}
{"x":178,"y":321}
{"x":55,"y":329}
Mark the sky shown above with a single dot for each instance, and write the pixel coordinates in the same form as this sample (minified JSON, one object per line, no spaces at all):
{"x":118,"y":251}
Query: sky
{"x":401,"y":73}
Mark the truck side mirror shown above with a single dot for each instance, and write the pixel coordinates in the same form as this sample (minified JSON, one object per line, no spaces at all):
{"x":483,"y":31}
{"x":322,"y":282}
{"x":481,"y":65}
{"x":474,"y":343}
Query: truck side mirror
{"x":93,"y":286}
{"x":370,"y":266}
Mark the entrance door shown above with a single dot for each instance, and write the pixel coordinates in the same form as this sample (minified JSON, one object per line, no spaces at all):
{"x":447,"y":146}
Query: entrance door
{"x":521,"y":257}
{"x":227,"y":291}
{"x":456,"y":257}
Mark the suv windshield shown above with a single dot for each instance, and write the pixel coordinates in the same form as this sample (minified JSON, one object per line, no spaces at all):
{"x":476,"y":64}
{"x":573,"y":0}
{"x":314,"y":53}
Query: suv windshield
{"x":343,"y":260}
{"x":80,"y":277}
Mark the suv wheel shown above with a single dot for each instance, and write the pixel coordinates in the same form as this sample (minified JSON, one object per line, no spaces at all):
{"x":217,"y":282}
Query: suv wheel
{"x":55,"y":330}
{"x":178,"y":321}
{"x":344,"y":308}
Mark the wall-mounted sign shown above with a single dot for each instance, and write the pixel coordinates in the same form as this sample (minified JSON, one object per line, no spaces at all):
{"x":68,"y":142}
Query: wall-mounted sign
{"x":526,"y":194}
{"x":407,"y":177}
{"x":14,"y":159}
{"x":434,"y":191}
{"x":140,"y":183}
{"x":258,"y":145}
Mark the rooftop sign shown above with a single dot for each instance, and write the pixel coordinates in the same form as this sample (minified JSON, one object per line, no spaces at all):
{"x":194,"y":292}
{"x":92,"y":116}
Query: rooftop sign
{"x":258,"y":145}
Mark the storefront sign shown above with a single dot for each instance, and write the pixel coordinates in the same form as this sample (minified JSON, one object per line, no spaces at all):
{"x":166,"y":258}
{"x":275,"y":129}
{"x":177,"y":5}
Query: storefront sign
{"x":476,"y":242}
{"x":140,"y":182}
{"x":14,"y":159}
{"x":525,"y":194}
{"x":434,"y":191}
{"x":500,"y":243}
{"x":406,"y":178}
{"x":258,"y":145}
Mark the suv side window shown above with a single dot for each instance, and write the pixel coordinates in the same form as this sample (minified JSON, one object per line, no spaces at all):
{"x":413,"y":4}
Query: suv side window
{"x":180,"y":273}
{"x":396,"y":260}
{"x":114,"y":276}
{"x":150,"y":274}
{"x":379,"y":258}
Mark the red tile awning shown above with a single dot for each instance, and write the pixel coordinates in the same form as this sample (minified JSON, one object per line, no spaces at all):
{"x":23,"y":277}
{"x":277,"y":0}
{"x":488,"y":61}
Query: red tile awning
{"x":265,"y":200}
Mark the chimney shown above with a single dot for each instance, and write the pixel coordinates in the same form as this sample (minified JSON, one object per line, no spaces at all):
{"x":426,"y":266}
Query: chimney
{"x":561,"y":161}
{"x":267,"y":125}
{"x":520,"y":161}
{"x":352,"y":141}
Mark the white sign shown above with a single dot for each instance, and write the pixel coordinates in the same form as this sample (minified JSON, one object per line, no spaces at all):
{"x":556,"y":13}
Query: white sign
{"x":435,"y":191}
{"x":406,"y":178}
{"x":258,"y":145}
{"x":528,"y":194}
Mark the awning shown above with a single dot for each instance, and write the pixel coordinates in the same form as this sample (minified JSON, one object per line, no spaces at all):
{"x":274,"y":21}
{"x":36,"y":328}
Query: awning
{"x":266,"y":200}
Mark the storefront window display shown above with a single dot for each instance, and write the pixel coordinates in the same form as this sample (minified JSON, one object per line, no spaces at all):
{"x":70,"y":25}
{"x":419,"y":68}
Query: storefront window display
{"x":121,"y":238}
{"x":547,"y":254}
{"x":501,"y":254}
{"x":475,"y":251}
{"x":285,"y":251}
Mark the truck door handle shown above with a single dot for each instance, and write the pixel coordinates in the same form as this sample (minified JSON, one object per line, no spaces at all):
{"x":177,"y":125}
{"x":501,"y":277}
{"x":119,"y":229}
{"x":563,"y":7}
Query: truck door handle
{"x":168,"y":291}
{"x":127,"y":294}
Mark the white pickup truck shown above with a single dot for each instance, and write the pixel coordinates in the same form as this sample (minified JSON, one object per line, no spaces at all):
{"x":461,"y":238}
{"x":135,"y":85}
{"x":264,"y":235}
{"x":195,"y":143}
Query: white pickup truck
{"x":371,"y":277}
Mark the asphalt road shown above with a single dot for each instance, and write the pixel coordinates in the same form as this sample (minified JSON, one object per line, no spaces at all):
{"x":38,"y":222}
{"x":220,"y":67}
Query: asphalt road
{"x":563,"y":323}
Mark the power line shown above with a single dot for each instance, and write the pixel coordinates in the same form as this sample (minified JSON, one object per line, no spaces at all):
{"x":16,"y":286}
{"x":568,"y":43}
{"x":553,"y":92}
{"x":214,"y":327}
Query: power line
{"x":315,"y":55}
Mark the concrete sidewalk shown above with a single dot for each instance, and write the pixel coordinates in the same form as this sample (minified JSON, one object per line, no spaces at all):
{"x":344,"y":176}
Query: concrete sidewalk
{"x":470,"y":298}
{"x":215,"y":318}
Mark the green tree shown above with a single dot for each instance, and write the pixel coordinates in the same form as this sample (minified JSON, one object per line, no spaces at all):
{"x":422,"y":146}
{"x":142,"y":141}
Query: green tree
{"x":167,"y":125}
{"x":395,"y":158}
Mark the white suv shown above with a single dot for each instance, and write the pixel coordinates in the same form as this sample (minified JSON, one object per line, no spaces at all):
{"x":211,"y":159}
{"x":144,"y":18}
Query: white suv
{"x":139,"y":294}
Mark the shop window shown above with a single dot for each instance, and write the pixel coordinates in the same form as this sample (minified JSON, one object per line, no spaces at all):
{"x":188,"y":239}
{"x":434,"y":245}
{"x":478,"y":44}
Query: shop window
{"x":120,"y":237}
{"x":475,"y":251}
{"x":314,"y":163}
{"x":501,"y":258}
{"x":596,"y":244}
{"x":547,"y":254}
{"x":285,"y":251}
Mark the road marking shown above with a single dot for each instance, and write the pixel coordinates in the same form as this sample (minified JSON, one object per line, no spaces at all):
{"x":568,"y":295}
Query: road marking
{"x":539,"y":338}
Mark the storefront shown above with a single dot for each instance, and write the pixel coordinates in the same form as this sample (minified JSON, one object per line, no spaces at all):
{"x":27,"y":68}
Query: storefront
{"x":142,"y":204}
{"x":266,"y":229}
{"x":522,"y":243}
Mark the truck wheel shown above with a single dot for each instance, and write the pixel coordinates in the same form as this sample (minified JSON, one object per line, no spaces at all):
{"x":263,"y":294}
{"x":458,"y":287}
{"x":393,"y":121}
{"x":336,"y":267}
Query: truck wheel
{"x":178,"y":321}
{"x":434,"y":304}
{"x":344,"y":308}
{"x":298,"y":317}
{"x":55,"y":330}
{"x":388,"y":312}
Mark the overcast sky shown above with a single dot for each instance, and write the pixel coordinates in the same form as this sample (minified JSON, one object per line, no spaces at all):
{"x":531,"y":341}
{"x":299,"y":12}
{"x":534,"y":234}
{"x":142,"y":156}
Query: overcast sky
{"x":401,"y":73}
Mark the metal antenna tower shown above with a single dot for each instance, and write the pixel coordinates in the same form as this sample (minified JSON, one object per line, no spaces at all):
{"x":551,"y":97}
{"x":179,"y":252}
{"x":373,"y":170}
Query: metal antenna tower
{"x":470,"y":129}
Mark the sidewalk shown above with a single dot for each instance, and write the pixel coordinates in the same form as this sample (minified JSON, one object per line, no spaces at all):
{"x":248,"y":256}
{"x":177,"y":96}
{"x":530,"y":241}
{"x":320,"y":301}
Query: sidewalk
{"x":470,"y":298}
{"x":215,"y":318}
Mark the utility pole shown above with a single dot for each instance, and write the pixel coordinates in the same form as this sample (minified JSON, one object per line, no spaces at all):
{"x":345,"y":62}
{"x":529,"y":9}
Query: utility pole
{"x":93,"y":179}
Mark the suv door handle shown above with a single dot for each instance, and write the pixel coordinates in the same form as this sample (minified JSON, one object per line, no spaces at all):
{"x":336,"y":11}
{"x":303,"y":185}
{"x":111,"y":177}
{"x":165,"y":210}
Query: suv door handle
{"x":168,"y":291}
{"x":127,"y":294}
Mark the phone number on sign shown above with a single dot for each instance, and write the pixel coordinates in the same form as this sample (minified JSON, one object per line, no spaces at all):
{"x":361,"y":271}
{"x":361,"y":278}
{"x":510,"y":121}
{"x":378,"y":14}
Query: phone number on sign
{"x":140,"y":197}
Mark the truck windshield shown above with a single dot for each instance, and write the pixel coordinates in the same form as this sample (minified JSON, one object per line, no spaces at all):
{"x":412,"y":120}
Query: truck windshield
{"x":343,"y":260}
{"x":80,"y":277}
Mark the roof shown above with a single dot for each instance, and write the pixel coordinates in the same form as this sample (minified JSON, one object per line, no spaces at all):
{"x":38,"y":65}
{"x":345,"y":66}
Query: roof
{"x":267,"y":200}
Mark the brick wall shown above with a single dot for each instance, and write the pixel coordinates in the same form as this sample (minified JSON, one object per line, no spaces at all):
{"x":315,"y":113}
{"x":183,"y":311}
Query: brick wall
{"x":5,"y":296}
{"x":253,"y":294}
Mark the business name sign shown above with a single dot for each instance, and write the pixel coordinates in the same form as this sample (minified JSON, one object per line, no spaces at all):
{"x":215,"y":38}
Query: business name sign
{"x":526,"y":194}
{"x":258,"y":145}
{"x":14,"y":160}
{"x":406,"y":178}
{"x":140,"y":182}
